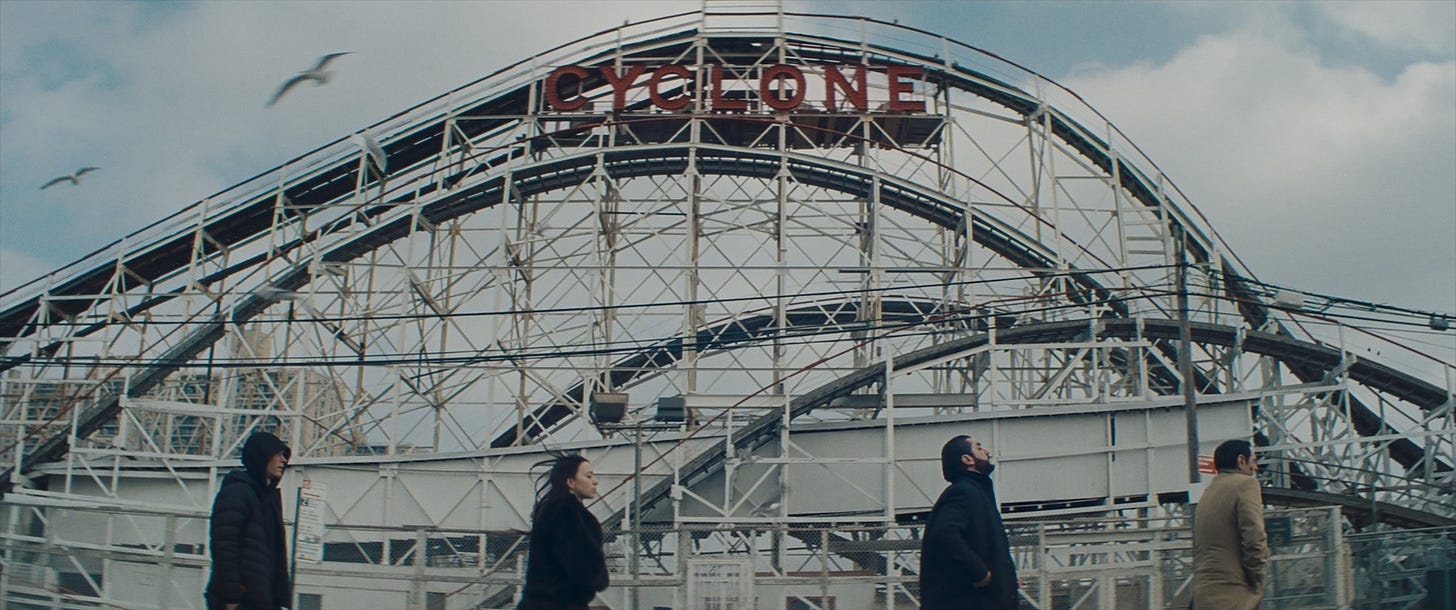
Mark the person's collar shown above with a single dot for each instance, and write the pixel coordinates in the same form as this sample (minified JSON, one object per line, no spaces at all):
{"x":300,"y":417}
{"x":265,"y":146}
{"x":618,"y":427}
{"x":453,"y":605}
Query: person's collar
{"x":972,"y":474}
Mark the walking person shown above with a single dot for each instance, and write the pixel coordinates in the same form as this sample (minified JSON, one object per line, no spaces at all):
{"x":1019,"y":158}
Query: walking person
{"x":965,"y":556}
{"x":245,"y":532}
{"x":566,"y":565}
{"x":1230,"y":548}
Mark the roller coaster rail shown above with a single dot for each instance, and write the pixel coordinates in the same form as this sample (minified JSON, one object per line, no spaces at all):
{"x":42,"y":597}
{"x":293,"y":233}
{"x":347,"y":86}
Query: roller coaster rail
{"x":754,"y":273}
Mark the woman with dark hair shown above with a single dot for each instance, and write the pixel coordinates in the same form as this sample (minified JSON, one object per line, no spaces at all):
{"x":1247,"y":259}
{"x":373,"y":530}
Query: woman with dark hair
{"x":566,"y":566}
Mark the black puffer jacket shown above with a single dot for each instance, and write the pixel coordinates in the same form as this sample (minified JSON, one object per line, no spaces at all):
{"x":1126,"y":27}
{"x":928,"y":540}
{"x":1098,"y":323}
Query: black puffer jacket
{"x":964,"y":539}
{"x":245,"y":534}
{"x":566,"y":566}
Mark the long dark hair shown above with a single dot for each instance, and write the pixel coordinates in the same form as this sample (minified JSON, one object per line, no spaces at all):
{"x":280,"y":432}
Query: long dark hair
{"x":552,"y":484}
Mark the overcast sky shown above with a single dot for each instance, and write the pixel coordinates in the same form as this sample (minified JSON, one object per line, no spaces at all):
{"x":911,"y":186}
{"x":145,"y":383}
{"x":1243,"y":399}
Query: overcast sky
{"x":1318,"y":138}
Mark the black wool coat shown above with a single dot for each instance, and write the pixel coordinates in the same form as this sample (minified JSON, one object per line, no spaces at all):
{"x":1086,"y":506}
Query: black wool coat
{"x":246,"y":537}
{"x":566,"y":566}
{"x":964,"y":538}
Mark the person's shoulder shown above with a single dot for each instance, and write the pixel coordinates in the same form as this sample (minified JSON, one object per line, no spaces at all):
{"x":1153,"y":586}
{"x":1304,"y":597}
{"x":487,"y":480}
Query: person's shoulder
{"x":1229,"y":478}
{"x":1233,"y":483}
{"x":557,"y":506}
{"x":963,"y":488}
{"x":1235,"y":479}
{"x":237,"y":483}
{"x":1245,"y":483}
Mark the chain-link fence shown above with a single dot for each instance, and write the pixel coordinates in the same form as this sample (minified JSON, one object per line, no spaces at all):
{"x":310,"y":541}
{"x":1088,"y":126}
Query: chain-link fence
{"x":1405,"y":569}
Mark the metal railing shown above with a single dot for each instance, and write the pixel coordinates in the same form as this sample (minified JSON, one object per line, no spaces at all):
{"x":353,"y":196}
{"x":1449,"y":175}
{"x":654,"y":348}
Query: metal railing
{"x":1102,"y":563}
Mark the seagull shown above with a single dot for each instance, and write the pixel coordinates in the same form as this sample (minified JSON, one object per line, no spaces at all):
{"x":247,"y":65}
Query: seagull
{"x":317,"y":74}
{"x":73,"y":178}
{"x":370,"y":146}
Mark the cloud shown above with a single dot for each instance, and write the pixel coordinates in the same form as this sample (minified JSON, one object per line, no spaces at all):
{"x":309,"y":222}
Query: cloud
{"x":1310,"y":168}
{"x":1427,"y":26}
{"x":169,"y":100}
{"x":16,"y":268}
{"x":1316,"y":174}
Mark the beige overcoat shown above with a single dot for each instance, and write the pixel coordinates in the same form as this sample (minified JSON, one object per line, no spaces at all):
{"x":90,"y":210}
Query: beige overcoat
{"x":1230,"y":549}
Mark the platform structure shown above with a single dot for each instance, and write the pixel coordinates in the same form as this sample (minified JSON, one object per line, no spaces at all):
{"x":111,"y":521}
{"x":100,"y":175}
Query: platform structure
{"x":804,"y":248}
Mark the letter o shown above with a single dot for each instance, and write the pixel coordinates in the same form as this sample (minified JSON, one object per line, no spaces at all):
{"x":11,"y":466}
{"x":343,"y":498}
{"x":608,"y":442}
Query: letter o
{"x":771,"y":98}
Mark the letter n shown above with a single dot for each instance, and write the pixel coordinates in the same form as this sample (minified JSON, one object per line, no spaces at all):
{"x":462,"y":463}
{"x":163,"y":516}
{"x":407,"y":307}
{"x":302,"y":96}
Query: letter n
{"x":856,"y":94}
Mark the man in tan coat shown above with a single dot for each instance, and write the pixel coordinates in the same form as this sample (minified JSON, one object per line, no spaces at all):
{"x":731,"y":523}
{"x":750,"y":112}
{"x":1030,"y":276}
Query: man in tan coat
{"x":1230,"y":550}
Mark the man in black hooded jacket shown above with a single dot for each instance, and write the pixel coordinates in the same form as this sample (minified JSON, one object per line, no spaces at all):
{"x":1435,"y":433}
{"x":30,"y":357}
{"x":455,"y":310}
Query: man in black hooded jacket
{"x":965,"y":556}
{"x":245,"y":534}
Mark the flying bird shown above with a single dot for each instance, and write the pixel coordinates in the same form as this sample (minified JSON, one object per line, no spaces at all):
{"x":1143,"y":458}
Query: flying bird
{"x":73,"y":178}
{"x":317,"y":74}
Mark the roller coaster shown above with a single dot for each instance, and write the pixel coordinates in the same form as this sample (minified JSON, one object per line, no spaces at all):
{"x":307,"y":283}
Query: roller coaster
{"x":797,"y":300}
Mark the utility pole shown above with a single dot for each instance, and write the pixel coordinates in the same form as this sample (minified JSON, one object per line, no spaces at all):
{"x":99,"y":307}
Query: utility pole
{"x":634,"y":562}
{"x":1185,"y":353}
{"x":636,"y":518}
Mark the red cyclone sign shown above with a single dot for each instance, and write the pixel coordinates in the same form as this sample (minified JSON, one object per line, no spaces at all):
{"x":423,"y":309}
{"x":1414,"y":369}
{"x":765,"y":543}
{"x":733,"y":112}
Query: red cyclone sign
{"x":781,"y":87}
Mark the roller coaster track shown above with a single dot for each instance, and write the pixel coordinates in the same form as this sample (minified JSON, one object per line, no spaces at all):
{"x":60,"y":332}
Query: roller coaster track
{"x":421,"y":142}
{"x":1309,"y":356}
{"x":152,"y":260}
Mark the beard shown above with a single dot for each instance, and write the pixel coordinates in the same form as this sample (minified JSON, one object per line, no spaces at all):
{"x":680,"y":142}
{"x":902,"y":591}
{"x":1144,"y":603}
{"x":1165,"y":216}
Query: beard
{"x":983,"y":466}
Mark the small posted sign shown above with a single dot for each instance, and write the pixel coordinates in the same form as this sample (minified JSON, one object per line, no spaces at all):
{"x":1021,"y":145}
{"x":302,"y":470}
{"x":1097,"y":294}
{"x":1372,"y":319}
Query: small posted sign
{"x":310,"y":524}
{"x":1279,"y":530}
{"x":1205,"y":464}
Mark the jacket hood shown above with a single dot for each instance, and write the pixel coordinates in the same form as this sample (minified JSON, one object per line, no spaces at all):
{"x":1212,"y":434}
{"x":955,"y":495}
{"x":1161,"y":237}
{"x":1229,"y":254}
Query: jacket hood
{"x":260,"y":448}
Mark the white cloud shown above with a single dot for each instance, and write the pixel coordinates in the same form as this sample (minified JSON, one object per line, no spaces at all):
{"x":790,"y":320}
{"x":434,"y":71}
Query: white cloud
{"x":1423,"y":25}
{"x":169,"y":100}
{"x":21,"y":267}
{"x":1315,"y":174}
{"x":1310,"y":170}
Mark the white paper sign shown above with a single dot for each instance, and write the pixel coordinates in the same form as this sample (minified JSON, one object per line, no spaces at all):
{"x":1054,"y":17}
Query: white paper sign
{"x":310,"y":524}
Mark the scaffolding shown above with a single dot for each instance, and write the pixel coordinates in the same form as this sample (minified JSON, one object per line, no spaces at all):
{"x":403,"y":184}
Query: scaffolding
{"x":792,"y":223}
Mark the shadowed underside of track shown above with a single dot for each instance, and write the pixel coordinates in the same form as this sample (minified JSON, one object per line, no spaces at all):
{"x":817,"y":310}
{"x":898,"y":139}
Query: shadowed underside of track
{"x":1361,"y":511}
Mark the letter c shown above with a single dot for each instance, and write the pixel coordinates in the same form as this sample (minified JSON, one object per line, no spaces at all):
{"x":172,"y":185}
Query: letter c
{"x":656,"y":81}
{"x":553,"y":84}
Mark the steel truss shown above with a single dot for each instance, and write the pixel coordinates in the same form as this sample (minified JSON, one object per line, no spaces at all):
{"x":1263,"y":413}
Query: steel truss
{"x":466,"y":275}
